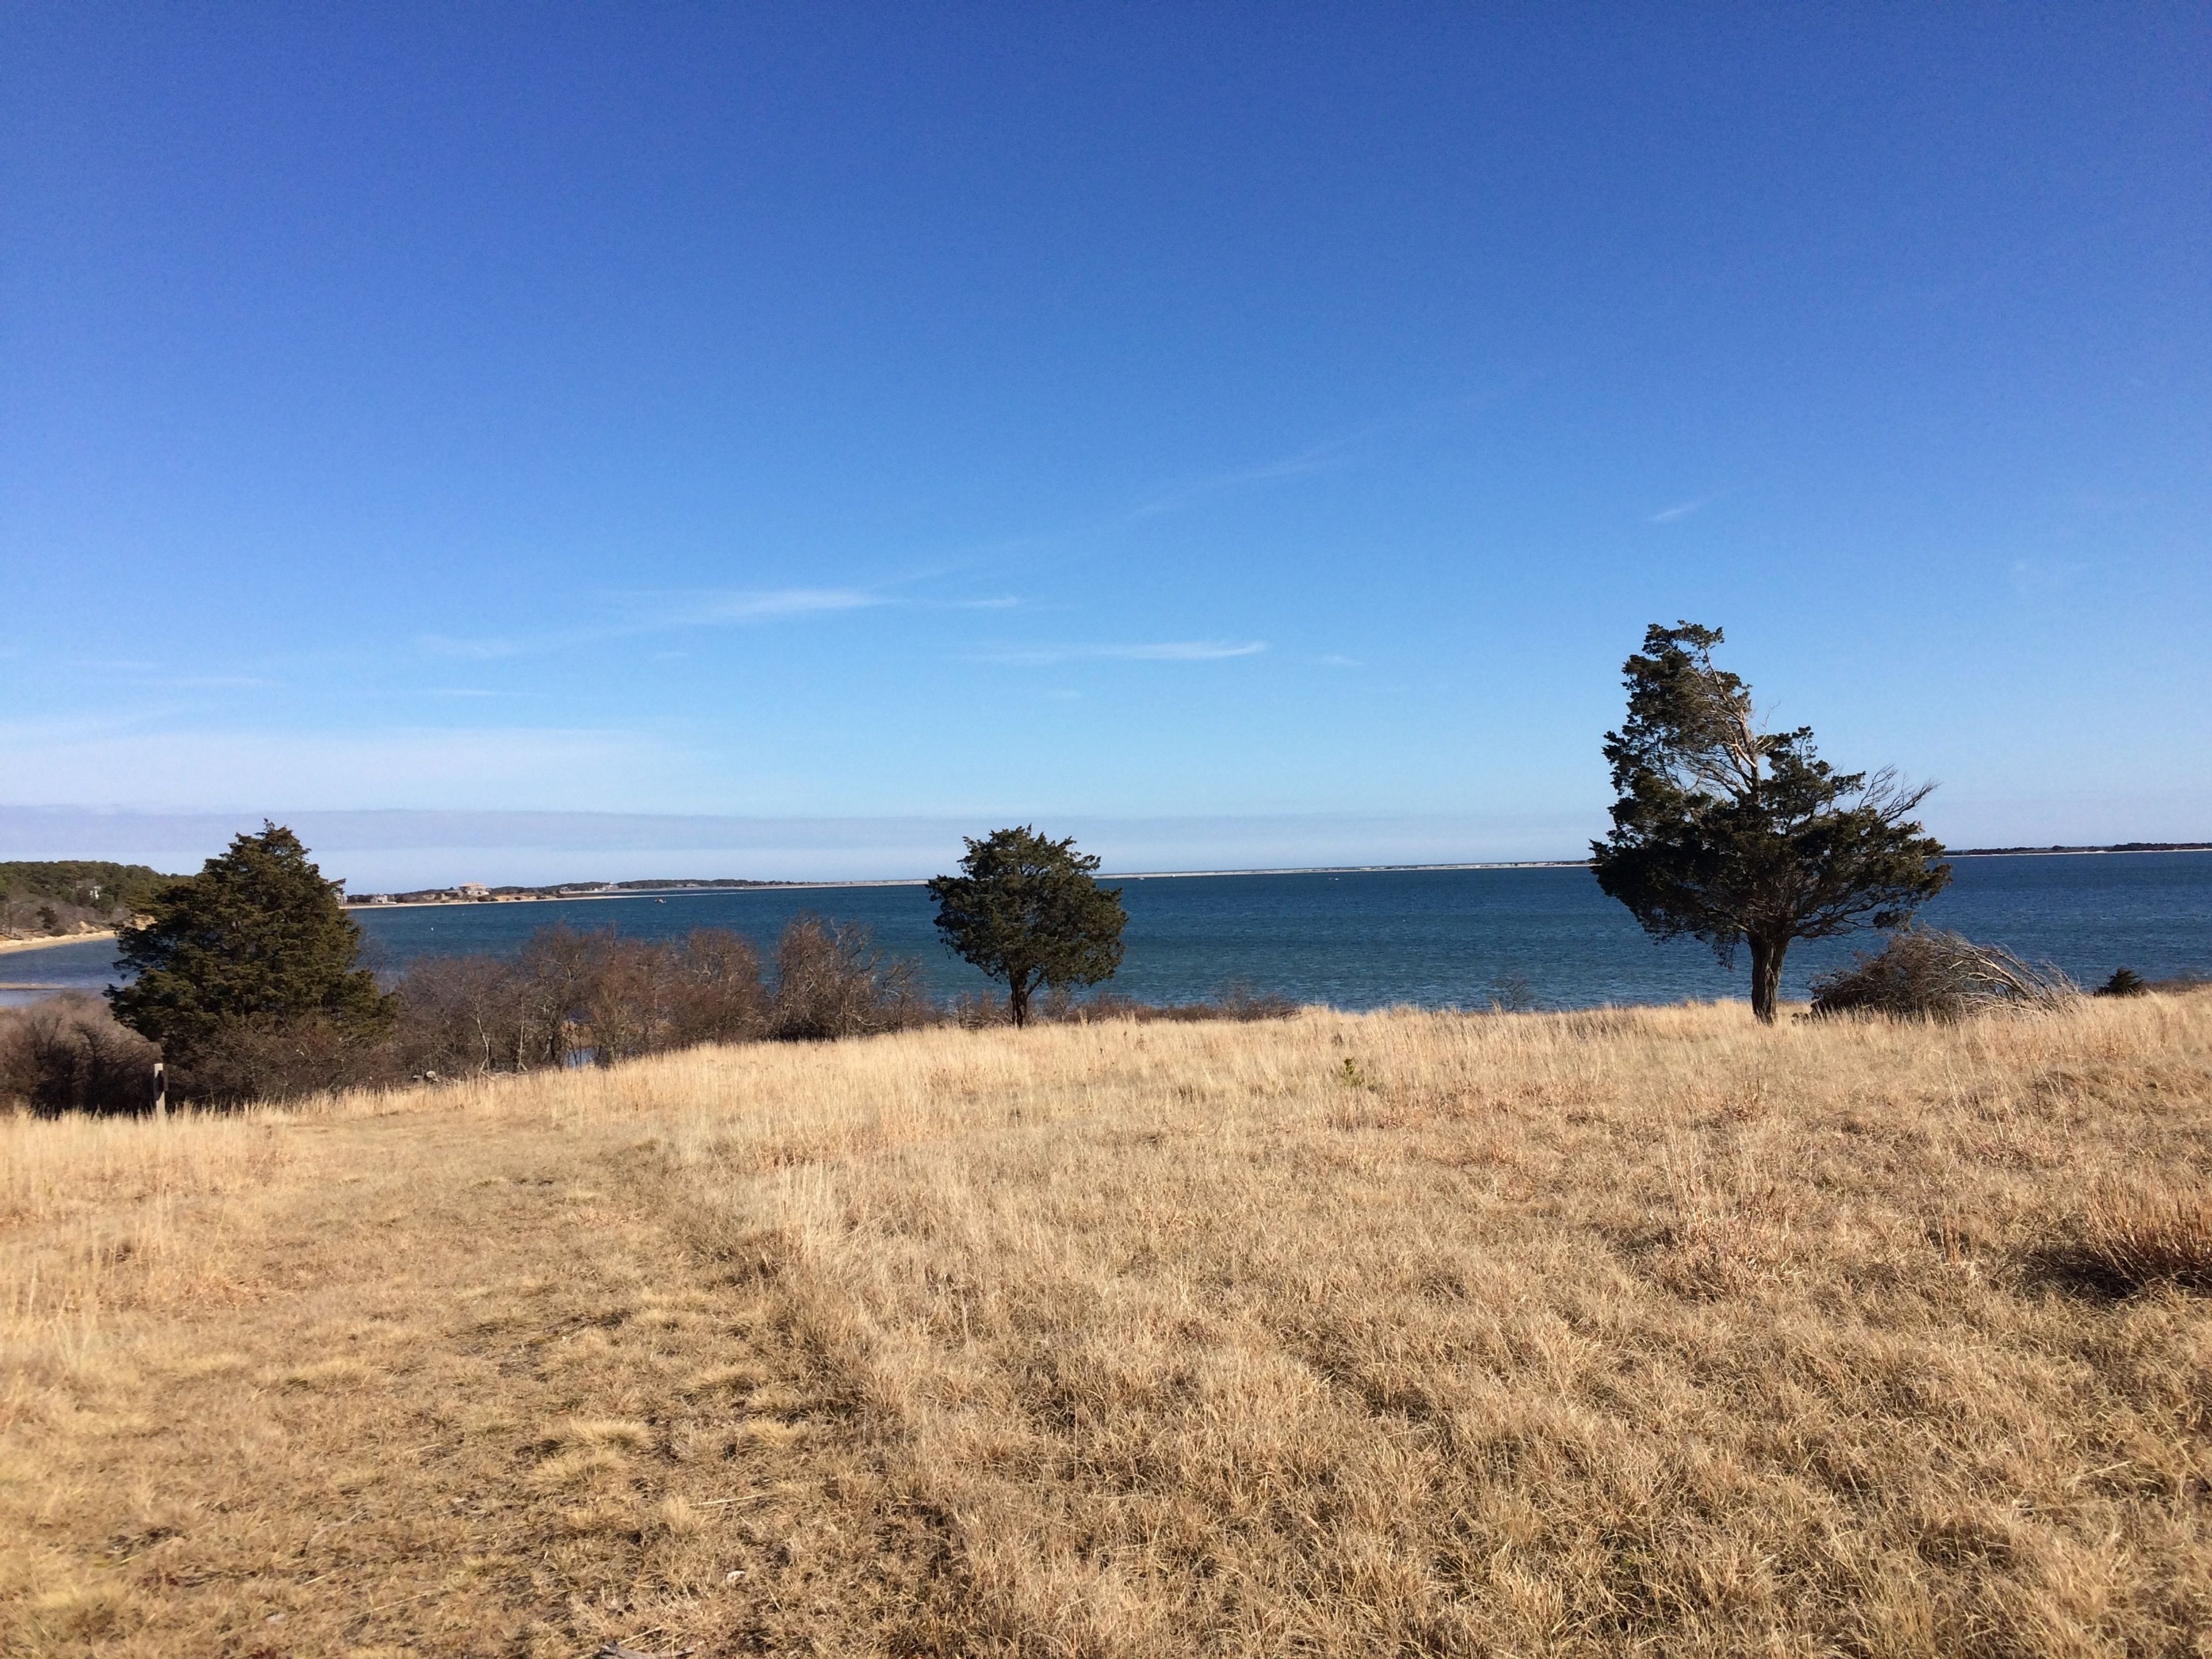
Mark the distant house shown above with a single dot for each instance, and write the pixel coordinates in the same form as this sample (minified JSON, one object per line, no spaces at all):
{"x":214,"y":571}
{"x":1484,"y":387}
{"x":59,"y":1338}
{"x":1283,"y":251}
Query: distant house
{"x":472,"y":890}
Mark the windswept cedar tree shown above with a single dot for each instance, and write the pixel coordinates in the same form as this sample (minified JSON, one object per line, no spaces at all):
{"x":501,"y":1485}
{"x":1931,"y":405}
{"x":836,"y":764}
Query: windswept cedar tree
{"x":1026,"y":909}
{"x":257,"y":937}
{"x":1728,"y":834}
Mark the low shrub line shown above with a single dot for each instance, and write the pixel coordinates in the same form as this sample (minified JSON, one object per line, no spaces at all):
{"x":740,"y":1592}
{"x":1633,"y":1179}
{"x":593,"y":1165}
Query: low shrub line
{"x":569,"y":998}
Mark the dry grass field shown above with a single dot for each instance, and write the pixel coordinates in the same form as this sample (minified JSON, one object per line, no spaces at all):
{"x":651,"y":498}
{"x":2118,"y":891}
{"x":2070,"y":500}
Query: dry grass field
{"x":1604,"y":1334}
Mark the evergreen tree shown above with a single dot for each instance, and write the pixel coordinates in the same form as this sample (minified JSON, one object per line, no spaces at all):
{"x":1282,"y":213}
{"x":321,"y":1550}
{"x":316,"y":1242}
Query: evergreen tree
{"x":1025,"y":910}
{"x":1726,"y":833}
{"x":258,"y":935}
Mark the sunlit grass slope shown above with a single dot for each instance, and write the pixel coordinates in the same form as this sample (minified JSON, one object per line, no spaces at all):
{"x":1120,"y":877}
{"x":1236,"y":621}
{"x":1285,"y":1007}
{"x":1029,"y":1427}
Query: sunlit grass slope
{"x":1402,"y":1334}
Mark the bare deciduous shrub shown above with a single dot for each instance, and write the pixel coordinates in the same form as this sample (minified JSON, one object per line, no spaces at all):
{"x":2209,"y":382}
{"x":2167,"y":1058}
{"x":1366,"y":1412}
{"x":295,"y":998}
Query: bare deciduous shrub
{"x":571,"y":993}
{"x":1511,"y":993}
{"x":1925,"y":973}
{"x":643,"y":998}
{"x":274,"y":1059}
{"x":460,"y":1014}
{"x":831,"y":981}
{"x":715,"y":994}
{"x":624,"y":1000}
{"x":571,"y":997}
{"x":556,"y":970}
{"x":68,"y":1053}
{"x":567,"y":996}
{"x":2140,"y":1234}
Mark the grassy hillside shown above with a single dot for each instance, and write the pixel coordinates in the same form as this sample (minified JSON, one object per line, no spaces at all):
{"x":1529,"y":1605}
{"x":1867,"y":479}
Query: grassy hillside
{"x":1602,"y":1334}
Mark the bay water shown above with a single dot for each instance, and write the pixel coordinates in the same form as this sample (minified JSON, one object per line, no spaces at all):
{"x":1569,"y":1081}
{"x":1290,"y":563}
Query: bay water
{"x":1360,"y":938}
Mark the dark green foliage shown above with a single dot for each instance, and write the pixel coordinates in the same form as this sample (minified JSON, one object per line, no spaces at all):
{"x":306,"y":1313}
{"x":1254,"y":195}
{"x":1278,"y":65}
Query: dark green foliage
{"x":1725,"y":833}
{"x":1025,"y":910}
{"x":257,"y":938}
{"x":2124,"y":982}
{"x":114,"y":889}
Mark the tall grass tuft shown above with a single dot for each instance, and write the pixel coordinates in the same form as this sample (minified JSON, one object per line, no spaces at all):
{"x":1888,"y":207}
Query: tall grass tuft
{"x":2139,"y":1234}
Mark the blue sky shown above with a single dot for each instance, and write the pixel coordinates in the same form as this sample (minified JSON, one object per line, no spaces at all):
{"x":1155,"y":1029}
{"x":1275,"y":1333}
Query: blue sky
{"x":1281,"y":421}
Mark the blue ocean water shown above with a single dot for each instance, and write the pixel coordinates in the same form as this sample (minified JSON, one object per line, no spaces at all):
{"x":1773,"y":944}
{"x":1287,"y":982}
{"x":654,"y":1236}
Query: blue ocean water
{"x":1367,"y":939}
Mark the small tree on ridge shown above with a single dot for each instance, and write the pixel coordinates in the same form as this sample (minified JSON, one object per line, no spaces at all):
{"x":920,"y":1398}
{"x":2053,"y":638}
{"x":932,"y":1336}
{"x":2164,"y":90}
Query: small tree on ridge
{"x":1726,"y":833}
{"x":1025,"y":910}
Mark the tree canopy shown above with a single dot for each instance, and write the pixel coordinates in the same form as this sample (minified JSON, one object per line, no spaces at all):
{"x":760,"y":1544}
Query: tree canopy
{"x":93,"y":884}
{"x":257,"y":935}
{"x":1727,"y":833}
{"x":1026,"y":909}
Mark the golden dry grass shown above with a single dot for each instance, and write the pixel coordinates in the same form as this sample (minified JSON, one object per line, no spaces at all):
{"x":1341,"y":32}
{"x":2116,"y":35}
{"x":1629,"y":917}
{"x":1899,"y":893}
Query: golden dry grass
{"x":1593,"y":1333}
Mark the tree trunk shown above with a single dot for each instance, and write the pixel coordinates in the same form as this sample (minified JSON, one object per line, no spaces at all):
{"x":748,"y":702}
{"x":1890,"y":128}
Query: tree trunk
{"x":1018,"y":999}
{"x":1766,"y":975}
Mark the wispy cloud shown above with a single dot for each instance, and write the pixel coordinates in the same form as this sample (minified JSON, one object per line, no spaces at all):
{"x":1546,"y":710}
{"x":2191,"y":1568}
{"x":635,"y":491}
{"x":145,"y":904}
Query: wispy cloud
{"x":710,"y":609}
{"x":1322,"y":457}
{"x":1334,"y":660}
{"x":1047,"y":656}
{"x":1680,"y":510}
{"x":446,"y":645}
{"x":635,"y":614}
{"x":214,"y":682}
{"x":164,"y":676}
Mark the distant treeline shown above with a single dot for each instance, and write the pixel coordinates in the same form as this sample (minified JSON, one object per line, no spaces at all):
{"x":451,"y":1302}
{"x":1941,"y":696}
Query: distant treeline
{"x":56,"y":897}
{"x":563,"y":890}
{"x":2117,"y":847}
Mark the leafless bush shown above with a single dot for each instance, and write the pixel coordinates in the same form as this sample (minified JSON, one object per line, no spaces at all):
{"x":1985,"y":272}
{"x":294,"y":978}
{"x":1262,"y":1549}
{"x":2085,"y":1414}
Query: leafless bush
{"x":461,"y":1014}
{"x":980,"y":1011}
{"x":278,"y":1059}
{"x":557,"y":972}
{"x":1511,"y":993}
{"x":570,"y":997}
{"x":1924,"y":973}
{"x":68,"y":1053}
{"x":572,"y":993}
{"x":715,"y":994}
{"x":831,"y":981}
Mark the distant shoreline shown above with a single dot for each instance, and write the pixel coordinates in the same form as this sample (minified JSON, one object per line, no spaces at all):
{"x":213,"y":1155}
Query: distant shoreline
{"x":448,"y":901}
{"x":1184,"y":875}
{"x":2077,"y":852}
